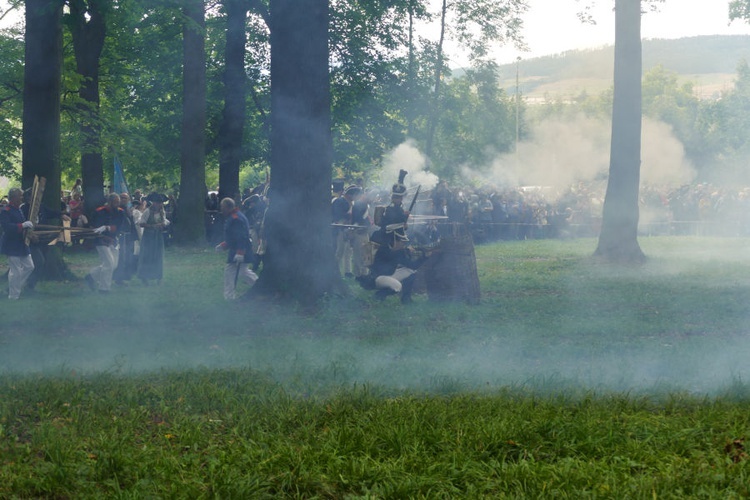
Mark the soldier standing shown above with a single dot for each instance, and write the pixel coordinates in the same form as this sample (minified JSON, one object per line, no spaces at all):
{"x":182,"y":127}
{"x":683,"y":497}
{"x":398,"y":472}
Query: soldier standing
{"x":109,"y":221}
{"x":13,"y":244}
{"x":237,"y":243}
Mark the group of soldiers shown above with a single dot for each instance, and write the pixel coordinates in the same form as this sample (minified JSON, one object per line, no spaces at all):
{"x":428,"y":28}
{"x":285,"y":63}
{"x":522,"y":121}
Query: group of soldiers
{"x":392,"y":268}
{"x":128,"y":240}
{"x":127,"y":237}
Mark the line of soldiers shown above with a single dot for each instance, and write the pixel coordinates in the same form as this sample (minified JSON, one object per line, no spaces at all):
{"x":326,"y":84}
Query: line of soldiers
{"x":128,"y":241}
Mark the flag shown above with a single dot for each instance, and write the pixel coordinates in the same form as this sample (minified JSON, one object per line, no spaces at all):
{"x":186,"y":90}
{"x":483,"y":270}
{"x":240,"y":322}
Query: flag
{"x":120,"y":186}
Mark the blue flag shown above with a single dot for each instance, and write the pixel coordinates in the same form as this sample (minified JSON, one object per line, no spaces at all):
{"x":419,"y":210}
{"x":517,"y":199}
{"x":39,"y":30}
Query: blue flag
{"x":120,"y":186}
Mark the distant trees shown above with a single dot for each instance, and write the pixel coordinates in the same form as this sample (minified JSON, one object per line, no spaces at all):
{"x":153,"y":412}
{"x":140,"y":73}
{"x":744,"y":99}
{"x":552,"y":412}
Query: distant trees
{"x":477,"y":24}
{"x":128,"y":55}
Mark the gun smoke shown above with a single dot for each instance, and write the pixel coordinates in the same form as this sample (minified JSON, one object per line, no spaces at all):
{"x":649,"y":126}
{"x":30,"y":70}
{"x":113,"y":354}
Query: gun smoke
{"x":557,"y":154}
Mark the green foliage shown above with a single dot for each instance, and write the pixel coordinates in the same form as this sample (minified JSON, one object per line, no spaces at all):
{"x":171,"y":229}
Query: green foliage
{"x":11,"y":90}
{"x":477,"y":123}
{"x":739,"y":9}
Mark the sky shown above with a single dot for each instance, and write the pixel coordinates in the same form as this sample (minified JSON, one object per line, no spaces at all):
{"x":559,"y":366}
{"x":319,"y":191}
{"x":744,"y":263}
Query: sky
{"x":552,"y":26}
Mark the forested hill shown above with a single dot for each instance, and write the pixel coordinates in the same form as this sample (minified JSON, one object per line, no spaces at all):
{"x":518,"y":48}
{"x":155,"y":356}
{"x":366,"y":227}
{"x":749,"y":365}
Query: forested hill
{"x":710,"y":62}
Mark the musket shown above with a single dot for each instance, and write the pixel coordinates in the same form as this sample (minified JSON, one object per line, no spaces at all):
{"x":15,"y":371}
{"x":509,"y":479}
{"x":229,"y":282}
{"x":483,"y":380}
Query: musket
{"x":37,"y":191}
{"x":414,"y":200}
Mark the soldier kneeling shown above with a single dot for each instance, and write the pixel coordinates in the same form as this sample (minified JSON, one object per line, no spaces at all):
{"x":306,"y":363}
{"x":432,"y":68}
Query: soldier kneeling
{"x":394,"y":266}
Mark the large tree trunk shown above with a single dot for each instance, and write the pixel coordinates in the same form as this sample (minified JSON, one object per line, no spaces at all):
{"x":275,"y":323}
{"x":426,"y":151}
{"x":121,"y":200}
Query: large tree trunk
{"x":189,"y":227}
{"x":88,"y":31}
{"x":233,"y":119}
{"x":41,"y":97}
{"x":41,"y":108}
{"x":618,"y":241}
{"x":300,"y":262}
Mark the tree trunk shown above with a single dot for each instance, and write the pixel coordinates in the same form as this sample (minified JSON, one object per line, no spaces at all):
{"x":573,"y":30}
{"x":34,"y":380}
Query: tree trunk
{"x":189,"y":227}
{"x":88,"y":42}
{"x":41,"y":109}
{"x":618,"y":240}
{"x":435,"y":111}
{"x":233,"y":117}
{"x":299,"y":261}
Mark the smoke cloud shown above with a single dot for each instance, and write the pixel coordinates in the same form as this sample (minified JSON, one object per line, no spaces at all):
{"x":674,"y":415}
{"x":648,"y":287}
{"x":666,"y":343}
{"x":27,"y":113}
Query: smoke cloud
{"x":406,"y":156}
{"x":561,"y":153}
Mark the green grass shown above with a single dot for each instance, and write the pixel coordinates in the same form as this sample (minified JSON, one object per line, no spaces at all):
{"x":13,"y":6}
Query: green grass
{"x":570,"y":379}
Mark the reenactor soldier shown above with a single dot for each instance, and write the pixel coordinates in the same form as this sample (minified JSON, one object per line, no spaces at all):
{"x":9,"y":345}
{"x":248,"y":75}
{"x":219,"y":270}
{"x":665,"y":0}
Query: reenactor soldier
{"x":109,"y":221}
{"x":239,"y":248}
{"x":13,"y":244}
{"x":395,"y":213}
{"x":394,"y":264}
{"x":45,"y":216}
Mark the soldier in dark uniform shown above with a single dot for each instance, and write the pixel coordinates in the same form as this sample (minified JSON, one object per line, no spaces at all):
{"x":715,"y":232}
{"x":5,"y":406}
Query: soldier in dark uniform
{"x":45,"y":216}
{"x":394,"y":265}
{"x":108,"y":221}
{"x":237,"y":243}
{"x":12,"y":244}
{"x":395,"y":213}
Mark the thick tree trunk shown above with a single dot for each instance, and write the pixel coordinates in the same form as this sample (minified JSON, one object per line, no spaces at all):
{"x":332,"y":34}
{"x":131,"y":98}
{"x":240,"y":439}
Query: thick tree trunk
{"x":41,"y":97}
{"x":300,"y":262}
{"x":88,"y":31}
{"x":618,"y":241}
{"x":233,"y":118}
{"x":189,"y":227}
{"x":41,"y":109}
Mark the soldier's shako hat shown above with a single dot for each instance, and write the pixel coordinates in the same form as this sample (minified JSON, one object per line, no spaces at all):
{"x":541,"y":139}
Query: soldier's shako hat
{"x":399,"y":189}
{"x":337,"y":186}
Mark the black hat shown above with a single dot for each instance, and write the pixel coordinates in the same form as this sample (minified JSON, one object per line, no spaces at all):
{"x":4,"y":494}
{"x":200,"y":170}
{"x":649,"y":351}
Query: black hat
{"x":337,"y":185}
{"x":399,"y":189}
{"x":353,"y":190}
{"x":157,"y":198}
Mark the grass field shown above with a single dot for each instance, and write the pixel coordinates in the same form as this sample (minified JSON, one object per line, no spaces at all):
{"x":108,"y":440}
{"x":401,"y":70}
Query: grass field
{"x":569,"y":379}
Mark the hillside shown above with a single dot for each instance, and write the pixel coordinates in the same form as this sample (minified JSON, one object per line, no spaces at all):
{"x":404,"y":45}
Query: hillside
{"x":710,"y":62}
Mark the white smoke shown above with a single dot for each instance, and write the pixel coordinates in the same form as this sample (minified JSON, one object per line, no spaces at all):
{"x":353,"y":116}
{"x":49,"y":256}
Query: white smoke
{"x":561,"y":153}
{"x":406,"y":156}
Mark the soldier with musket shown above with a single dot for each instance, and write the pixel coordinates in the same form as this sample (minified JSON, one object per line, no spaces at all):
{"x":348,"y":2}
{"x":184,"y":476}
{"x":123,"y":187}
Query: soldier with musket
{"x":13,"y":244}
{"x":395,"y":265}
{"x":395,"y":213}
{"x":109,"y":221}
{"x":45,"y":216}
